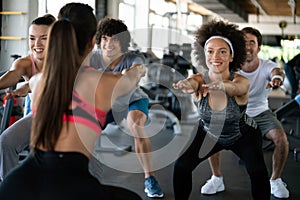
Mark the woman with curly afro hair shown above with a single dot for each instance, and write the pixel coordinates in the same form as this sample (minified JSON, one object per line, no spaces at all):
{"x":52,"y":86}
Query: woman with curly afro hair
{"x":222,"y":96}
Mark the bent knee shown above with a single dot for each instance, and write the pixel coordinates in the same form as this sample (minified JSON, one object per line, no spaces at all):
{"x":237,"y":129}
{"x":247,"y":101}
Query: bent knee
{"x":4,"y":139}
{"x":4,"y":143}
{"x":278,"y":136}
{"x":136,"y":120}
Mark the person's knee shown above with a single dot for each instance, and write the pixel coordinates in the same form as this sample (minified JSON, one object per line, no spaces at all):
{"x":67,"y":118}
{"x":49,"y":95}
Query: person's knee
{"x":135,"y":124}
{"x":5,"y":142}
{"x":278,"y":136}
{"x":281,"y":141}
{"x":136,"y":120}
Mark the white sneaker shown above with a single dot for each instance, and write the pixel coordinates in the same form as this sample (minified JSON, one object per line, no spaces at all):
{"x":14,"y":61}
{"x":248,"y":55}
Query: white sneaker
{"x":278,"y":188}
{"x":213,"y":185}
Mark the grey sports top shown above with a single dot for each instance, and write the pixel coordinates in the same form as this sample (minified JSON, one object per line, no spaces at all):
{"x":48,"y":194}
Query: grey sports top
{"x":222,"y":126}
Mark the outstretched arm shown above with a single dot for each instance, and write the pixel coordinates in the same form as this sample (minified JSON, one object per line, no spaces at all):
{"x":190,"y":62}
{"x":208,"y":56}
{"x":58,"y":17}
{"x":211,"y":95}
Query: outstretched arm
{"x":15,"y":73}
{"x":277,"y":77}
{"x":19,"y":92}
{"x":10,"y":78}
{"x":237,"y":87}
{"x":191,"y":85}
{"x":129,"y":79}
{"x":117,"y":84}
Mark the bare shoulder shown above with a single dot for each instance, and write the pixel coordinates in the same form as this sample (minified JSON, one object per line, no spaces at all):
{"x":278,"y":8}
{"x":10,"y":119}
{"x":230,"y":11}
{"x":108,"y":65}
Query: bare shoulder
{"x":99,"y":79}
{"x":92,"y":79}
{"x":22,"y":63}
{"x":239,"y":77}
{"x":93,"y":76}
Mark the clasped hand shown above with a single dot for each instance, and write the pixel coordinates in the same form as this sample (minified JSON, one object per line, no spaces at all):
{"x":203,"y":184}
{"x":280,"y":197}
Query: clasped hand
{"x":275,"y":83}
{"x":19,"y":92}
{"x":186,"y":86}
{"x":141,"y":69}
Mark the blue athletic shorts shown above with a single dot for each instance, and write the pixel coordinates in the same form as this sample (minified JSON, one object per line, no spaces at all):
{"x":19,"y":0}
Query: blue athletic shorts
{"x":141,"y":104}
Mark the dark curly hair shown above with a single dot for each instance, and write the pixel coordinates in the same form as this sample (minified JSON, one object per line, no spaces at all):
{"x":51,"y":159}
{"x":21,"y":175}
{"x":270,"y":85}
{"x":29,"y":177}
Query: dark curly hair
{"x":229,"y":31}
{"x":113,"y":27}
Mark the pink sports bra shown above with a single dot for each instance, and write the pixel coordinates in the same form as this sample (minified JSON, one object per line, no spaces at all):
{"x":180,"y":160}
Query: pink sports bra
{"x":86,"y":114}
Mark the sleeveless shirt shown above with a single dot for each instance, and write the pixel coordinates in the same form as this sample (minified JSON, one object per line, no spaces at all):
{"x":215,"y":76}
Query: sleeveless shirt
{"x":222,"y":126}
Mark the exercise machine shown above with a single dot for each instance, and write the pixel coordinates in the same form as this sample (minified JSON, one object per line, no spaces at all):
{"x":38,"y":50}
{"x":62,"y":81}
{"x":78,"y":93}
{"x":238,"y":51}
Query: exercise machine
{"x":290,"y":112}
{"x":8,"y":107}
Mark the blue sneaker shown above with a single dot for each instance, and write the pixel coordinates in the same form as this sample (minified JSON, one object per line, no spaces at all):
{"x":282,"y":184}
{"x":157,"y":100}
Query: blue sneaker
{"x":152,"y":187}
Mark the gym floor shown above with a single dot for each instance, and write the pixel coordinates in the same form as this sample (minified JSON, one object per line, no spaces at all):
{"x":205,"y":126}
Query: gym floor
{"x":122,"y":168}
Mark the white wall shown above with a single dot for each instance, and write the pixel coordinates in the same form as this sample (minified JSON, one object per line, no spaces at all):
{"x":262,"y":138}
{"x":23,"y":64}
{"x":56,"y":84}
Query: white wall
{"x":16,"y":25}
{"x":269,"y":25}
{"x":53,"y":6}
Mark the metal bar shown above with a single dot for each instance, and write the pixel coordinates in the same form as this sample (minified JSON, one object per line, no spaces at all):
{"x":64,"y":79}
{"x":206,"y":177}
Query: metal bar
{"x":7,"y":112}
{"x":11,"y":38}
{"x":12,"y":13}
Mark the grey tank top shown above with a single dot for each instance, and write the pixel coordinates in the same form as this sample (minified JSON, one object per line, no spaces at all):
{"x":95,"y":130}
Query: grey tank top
{"x":222,"y":126}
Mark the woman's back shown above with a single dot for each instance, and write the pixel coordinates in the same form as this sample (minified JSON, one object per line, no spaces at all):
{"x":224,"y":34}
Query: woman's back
{"x":67,"y":100}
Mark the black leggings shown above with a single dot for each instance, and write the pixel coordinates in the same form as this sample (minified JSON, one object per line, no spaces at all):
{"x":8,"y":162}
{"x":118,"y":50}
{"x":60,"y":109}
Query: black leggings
{"x":248,"y":148}
{"x":59,"y":176}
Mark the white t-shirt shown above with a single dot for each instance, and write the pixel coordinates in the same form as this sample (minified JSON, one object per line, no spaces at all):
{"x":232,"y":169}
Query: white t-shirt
{"x":258,"y":94}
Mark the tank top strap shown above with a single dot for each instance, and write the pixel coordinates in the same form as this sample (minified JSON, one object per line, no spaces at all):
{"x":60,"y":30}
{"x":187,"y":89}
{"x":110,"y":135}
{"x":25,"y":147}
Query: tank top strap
{"x":231,"y":75}
{"x":33,"y":65}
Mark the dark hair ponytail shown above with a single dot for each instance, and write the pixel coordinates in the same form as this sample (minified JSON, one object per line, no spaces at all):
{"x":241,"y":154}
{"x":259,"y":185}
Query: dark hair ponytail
{"x":59,"y":72}
{"x":67,"y":43}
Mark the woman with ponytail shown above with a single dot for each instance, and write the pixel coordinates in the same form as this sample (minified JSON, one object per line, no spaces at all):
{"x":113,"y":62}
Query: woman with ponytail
{"x":70,"y":103}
